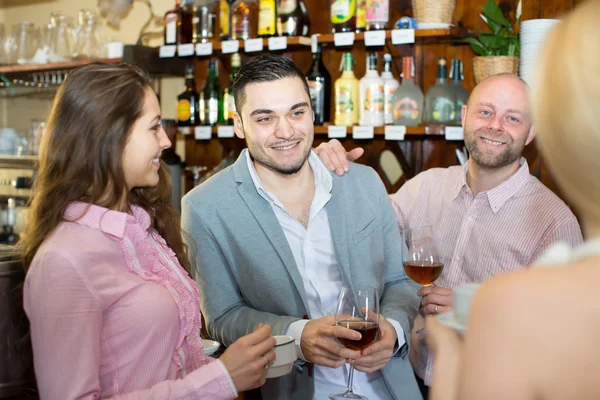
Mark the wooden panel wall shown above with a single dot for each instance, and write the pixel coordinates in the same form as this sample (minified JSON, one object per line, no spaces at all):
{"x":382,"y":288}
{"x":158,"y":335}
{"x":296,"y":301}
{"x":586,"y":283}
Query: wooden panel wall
{"x":418,"y":153}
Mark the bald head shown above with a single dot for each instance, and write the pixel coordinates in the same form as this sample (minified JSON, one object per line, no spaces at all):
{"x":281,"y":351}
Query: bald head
{"x":512,"y":84}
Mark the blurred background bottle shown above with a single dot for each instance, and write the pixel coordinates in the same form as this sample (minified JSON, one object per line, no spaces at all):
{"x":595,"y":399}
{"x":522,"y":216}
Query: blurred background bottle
{"x":319,"y":84}
{"x":204,"y":21}
{"x":228,"y":98}
{"x":390,"y":84}
{"x":408,"y":98}
{"x":267,"y":18}
{"x":210,"y":100}
{"x":440,"y":100}
{"x":346,"y":94}
{"x":293,"y":19}
{"x":343,"y":15}
{"x":371,"y":94}
{"x":462,"y":96}
{"x":244,"y":20}
{"x":377,"y":14}
{"x":187,"y":103}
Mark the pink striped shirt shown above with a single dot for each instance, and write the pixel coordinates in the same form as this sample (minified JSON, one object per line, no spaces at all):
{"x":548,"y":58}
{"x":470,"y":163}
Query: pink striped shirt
{"x":113,"y":314}
{"x":498,"y":231}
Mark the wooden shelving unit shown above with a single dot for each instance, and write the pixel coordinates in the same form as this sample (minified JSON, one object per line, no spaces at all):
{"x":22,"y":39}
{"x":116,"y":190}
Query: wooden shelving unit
{"x":451,"y":32}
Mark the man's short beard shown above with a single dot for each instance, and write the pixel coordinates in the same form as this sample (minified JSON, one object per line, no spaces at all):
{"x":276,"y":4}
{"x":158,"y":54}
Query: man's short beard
{"x":509,"y":156}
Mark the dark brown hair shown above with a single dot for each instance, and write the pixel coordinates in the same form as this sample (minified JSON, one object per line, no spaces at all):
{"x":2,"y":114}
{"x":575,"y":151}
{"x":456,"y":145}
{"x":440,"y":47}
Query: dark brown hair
{"x":81,"y":156}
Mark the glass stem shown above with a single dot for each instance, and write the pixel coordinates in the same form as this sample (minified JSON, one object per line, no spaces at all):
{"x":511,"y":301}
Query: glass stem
{"x":350,"y":377}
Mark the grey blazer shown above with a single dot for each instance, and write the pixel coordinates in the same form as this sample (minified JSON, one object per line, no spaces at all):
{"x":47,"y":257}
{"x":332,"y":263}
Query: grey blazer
{"x":246,"y":272}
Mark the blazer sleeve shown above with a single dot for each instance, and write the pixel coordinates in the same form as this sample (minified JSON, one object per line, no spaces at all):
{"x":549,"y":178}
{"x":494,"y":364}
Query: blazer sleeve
{"x":399,"y":301}
{"x":228,"y":317}
{"x":66,"y":315}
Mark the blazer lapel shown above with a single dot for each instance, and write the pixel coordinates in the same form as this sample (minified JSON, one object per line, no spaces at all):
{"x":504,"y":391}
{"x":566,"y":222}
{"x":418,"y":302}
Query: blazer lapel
{"x":269,"y":223}
{"x":338,"y":226}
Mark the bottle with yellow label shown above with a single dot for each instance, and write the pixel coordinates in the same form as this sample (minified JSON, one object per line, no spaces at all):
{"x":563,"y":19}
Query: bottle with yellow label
{"x":346,"y":94}
{"x":228,"y":98}
{"x":187,"y":103}
{"x":361,"y":15}
{"x":267,"y":18}
{"x":343,"y":15}
{"x":224,"y":19}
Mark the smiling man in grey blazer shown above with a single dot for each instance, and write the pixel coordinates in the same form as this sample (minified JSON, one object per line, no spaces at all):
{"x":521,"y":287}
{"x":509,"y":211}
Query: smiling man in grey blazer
{"x":276,"y":236}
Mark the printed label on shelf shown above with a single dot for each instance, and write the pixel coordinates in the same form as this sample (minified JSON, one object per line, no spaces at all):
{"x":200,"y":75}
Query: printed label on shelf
{"x":395,"y":132}
{"x":204,"y":49}
{"x":314,"y":43}
{"x":343,"y":39}
{"x":403,"y":36}
{"x":251,"y":45}
{"x":363,"y":132}
{"x":185,"y":50}
{"x":336,"y":132}
{"x":230,"y":46}
{"x":454,"y":133}
{"x":375,"y":38}
{"x":167,"y":51}
{"x":202,"y":132}
{"x":225,"y":132}
{"x":278,"y":43}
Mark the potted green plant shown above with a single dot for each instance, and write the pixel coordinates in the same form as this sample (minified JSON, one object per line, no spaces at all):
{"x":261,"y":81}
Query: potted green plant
{"x":497,"y":51}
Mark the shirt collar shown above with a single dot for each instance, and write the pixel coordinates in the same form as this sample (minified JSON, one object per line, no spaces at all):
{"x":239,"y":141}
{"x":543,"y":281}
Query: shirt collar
{"x":322,"y":176}
{"x":108,"y":221}
{"x":499,"y":195}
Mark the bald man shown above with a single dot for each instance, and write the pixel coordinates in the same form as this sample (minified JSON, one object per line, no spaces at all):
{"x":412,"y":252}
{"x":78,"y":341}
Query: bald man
{"x":489,"y":216}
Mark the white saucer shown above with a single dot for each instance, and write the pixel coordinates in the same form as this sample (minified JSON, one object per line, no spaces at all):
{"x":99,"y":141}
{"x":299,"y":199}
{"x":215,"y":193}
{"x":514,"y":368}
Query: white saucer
{"x":210,"y":346}
{"x":432,"y":25}
{"x":448,"y":320}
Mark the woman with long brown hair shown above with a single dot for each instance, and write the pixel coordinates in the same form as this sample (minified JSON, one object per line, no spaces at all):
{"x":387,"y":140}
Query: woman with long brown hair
{"x":112,"y":307}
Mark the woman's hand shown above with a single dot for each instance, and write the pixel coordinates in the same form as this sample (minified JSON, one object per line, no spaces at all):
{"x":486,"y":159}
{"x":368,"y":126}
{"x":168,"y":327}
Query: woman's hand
{"x":248,"y":358}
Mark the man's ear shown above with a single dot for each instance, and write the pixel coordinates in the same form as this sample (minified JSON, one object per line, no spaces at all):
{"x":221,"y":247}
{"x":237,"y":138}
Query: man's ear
{"x":238,"y":127}
{"x":531,"y":134}
{"x":463,"y":115}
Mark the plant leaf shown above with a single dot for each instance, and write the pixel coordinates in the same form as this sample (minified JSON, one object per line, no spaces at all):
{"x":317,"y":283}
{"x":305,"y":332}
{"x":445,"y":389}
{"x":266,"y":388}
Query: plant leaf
{"x":476,"y":45}
{"x":492,"y":11}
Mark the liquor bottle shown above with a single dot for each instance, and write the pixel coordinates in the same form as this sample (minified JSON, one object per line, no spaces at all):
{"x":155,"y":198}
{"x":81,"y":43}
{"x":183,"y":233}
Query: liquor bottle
{"x":371,"y":94}
{"x":346,"y":94}
{"x":210,"y":100}
{"x":390,"y":84}
{"x":319,"y":84}
{"x":224,"y":19}
{"x":267,"y":18}
{"x":343,"y":15}
{"x":187,"y":103}
{"x":408,"y":98}
{"x":361,"y":15}
{"x":378,"y":14}
{"x":293,"y":19}
{"x":178,"y":25}
{"x":440,"y":100}
{"x":228,"y":99}
{"x":205,"y":16}
{"x":462,"y":96}
{"x":244,"y":19}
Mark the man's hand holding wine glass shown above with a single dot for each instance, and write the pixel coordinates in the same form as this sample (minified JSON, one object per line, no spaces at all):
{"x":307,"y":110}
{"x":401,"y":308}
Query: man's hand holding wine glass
{"x":435,"y":300}
{"x":377,"y":355}
{"x":319,"y":346}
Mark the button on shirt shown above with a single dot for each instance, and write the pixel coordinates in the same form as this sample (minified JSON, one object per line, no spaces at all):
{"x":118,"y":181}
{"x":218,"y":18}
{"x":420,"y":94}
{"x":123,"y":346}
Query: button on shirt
{"x":315,"y":258}
{"x":498,"y":231}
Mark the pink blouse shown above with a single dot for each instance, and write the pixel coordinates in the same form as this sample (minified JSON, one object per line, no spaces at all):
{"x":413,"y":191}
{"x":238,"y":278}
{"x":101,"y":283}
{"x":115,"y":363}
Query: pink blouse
{"x":114,"y":315}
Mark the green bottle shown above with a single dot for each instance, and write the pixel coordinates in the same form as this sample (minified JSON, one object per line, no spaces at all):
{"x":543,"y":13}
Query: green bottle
{"x":228,"y":99}
{"x":440,"y":100}
{"x":211,"y":102}
{"x":462,"y":96}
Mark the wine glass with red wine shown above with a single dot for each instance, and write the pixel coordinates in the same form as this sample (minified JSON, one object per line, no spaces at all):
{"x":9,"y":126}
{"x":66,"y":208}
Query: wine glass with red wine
{"x":419,"y":257}
{"x":358,"y":309}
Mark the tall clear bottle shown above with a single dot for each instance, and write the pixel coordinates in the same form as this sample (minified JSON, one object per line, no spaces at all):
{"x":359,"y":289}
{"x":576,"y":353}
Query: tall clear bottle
{"x":408,"y":98}
{"x":187,"y":103}
{"x":267,"y":18}
{"x":371,"y":94}
{"x":244,"y":19}
{"x":205,"y":21}
{"x":319,"y":84}
{"x":346,"y":94}
{"x":440,"y":101}
{"x":377,"y":14}
{"x":390,"y":84}
{"x":343,"y":15}
{"x":210,"y":102}
{"x":462,"y":96}
{"x":228,"y":98}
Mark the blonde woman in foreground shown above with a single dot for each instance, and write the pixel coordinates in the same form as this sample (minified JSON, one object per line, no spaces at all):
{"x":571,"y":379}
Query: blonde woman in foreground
{"x":532,"y":334}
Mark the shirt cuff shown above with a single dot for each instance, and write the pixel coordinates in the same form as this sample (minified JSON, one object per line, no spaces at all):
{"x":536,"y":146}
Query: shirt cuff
{"x":228,"y":376}
{"x":295,"y":330}
{"x":400,"y":340}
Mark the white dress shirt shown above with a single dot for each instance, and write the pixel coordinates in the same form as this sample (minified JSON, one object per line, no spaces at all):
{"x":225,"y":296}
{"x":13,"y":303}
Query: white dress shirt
{"x":314,"y":254}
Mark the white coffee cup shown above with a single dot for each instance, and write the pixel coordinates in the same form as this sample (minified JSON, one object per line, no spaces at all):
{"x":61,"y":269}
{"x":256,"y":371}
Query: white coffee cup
{"x":285,"y":355}
{"x":462,"y":296}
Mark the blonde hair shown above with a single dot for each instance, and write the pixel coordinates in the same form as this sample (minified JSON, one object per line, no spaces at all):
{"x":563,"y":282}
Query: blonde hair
{"x":566,"y":107}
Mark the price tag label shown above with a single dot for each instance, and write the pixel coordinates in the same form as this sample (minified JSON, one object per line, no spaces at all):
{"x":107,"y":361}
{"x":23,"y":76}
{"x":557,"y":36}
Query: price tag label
{"x":185,"y":130}
{"x":204,"y":49}
{"x":278,"y":43}
{"x":225,"y":132}
{"x":167,"y":51}
{"x":454,"y":133}
{"x":395,"y":132}
{"x":185,"y":50}
{"x":202,"y":132}
{"x":252,"y":45}
{"x":403,"y":36}
{"x":375,"y":38}
{"x":336,"y":132}
{"x":341,"y":39}
{"x":230,"y":46}
{"x":363,"y":132}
